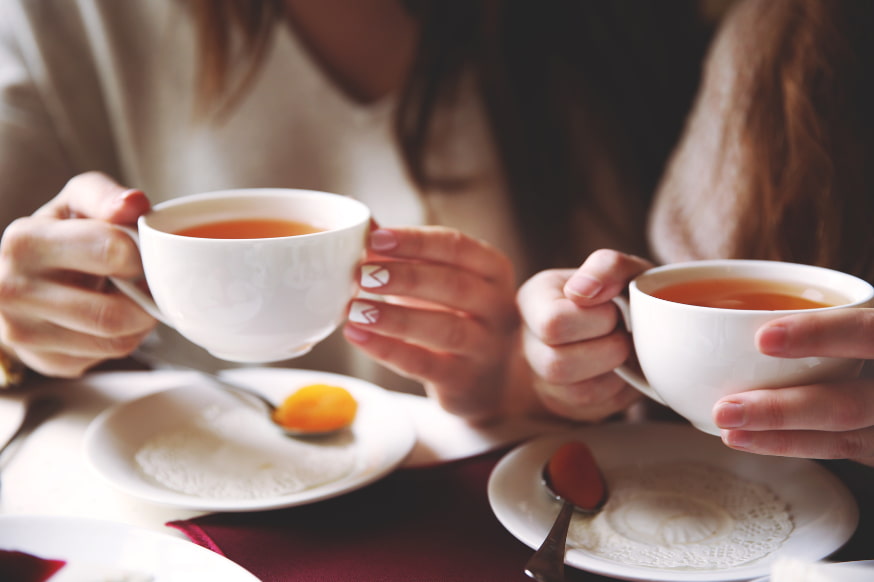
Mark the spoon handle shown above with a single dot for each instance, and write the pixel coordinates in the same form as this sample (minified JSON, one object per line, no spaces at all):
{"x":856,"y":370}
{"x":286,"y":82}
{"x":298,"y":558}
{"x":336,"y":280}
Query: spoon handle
{"x":245,"y":392}
{"x":547,"y":563}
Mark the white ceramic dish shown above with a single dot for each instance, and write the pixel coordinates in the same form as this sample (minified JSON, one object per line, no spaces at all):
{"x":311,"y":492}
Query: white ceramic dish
{"x":88,"y":544}
{"x":869,"y":563}
{"x":383,"y":436}
{"x":823,"y":511}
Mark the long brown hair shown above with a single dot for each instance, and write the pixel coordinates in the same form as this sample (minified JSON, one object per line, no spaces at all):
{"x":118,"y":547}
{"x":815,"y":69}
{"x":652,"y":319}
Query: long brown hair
{"x":808,"y":136}
{"x":550,"y":73}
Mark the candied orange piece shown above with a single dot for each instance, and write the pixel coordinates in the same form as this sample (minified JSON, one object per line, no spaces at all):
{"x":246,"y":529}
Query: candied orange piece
{"x":317,"y":408}
{"x":576,"y":477}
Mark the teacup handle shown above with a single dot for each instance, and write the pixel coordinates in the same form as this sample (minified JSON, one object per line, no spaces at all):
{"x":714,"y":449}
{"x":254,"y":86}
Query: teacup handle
{"x":625,"y":372}
{"x":130,"y":288}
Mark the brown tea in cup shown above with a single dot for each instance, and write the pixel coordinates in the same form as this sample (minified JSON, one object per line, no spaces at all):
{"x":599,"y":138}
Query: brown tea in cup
{"x":749,"y":293}
{"x":249,"y":228}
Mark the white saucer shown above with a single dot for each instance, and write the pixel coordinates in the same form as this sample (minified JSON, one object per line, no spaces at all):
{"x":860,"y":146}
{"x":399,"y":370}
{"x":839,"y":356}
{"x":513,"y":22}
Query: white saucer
{"x":823,"y":511}
{"x":823,"y":568}
{"x":382,"y":432}
{"x":94,"y":545}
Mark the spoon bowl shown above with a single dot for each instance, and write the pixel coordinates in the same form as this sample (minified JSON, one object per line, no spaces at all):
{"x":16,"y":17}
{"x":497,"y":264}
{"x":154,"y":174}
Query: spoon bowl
{"x":572,"y":477}
{"x":244,"y":393}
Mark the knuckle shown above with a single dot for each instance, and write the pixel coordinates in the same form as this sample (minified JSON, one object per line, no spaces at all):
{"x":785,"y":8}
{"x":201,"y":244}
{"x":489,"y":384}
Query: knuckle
{"x":17,"y":242}
{"x":555,"y":369}
{"x":847,"y":414}
{"x":109,"y":318}
{"x":553,"y":329}
{"x":13,"y":334}
{"x":85,"y":180}
{"x":12,"y":289}
{"x":116,"y":252}
{"x":619,"y":350}
{"x":606,"y":258}
{"x":457,"y":334}
{"x":851,"y":445}
{"x":119,"y":345}
{"x":420,"y":366}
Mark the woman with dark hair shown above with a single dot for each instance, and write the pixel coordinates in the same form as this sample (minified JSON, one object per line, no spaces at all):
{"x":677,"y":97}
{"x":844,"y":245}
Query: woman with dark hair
{"x":777,"y":162}
{"x":490,"y":138}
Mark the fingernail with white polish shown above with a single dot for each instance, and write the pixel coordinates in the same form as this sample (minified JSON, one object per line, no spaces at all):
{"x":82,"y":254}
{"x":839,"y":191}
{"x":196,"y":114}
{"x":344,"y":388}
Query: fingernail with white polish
{"x":373,"y":276}
{"x":361,"y":312}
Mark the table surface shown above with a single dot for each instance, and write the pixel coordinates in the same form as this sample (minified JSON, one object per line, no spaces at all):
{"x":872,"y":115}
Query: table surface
{"x":48,"y":475}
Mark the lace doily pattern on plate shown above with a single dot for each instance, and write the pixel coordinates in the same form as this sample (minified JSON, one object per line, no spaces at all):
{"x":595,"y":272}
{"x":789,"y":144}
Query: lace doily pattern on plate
{"x":683,"y":515}
{"x":239,"y":454}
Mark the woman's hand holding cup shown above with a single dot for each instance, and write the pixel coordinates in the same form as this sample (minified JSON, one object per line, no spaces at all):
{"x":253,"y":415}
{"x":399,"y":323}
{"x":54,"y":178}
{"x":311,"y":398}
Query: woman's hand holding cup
{"x":822,"y":420}
{"x":571,"y":338}
{"x":770,"y":382}
{"x":57,"y":314}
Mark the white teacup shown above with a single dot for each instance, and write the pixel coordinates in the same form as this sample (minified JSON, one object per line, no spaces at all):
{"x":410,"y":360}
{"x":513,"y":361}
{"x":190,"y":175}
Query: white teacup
{"x":693,"y":355}
{"x":251,"y":299}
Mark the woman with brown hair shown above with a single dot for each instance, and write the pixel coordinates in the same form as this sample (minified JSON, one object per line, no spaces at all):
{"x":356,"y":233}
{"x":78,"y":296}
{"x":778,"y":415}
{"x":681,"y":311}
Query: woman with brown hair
{"x":489,"y":138}
{"x":777,"y":162}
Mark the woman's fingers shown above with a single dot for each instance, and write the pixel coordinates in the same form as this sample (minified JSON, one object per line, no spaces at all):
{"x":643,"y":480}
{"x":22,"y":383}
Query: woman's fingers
{"x":34,"y":245}
{"x":54,"y":313}
{"x":470,"y":387}
{"x":603,"y":275}
{"x":590,"y":400}
{"x":96,"y":195}
{"x":857,"y":445}
{"x":822,"y":407}
{"x":442,"y":245}
{"x":571,"y":340}
{"x":839,"y":333}
{"x":448,"y":320}
{"x":444,"y":285}
{"x":436,"y":330}
{"x":575,"y":362}
{"x":826,"y":421}
{"x":555,"y":320}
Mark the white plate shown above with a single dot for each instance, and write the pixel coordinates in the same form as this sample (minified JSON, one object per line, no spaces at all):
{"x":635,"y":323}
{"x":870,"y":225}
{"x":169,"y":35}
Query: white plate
{"x":87,"y":543}
{"x":859,"y":563}
{"x":383,"y":436}
{"x":823,"y":511}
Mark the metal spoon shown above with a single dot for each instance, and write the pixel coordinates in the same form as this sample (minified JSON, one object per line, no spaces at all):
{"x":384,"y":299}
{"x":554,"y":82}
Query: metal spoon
{"x":547,"y":563}
{"x":248,"y":394}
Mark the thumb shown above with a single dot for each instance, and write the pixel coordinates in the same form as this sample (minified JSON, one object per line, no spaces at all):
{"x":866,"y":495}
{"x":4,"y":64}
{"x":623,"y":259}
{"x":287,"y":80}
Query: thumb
{"x":603,"y":275}
{"x":96,"y":195}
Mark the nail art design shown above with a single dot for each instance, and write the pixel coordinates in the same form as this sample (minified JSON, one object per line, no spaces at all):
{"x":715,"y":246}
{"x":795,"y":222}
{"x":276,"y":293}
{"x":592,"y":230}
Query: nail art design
{"x":374,"y":276}
{"x":361,"y":312}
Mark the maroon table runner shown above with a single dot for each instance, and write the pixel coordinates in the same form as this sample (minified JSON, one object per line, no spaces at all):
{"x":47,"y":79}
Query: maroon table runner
{"x":420,"y":525}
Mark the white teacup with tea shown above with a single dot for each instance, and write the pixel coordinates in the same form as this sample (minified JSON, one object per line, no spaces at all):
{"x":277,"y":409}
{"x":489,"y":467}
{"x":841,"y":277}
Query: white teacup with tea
{"x":694,"y":324}
{"x":251,"y":275}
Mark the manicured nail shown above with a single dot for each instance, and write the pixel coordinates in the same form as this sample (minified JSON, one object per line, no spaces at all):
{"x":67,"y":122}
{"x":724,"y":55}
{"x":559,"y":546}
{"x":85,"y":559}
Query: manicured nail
{"x":374,"y":276}
{"x":122,"y":197}
{"x":382,"y":240}
{"x":730,"y":415}
{"x":583,"y":286}
{"x":361,"y":312}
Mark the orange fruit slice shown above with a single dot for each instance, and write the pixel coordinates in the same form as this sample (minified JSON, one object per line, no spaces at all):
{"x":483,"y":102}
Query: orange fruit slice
{"x":317,"y":408}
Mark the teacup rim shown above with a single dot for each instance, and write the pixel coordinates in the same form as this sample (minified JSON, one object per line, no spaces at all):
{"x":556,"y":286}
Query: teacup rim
{"x":363,"y":215}
{"x":862,"y":295}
